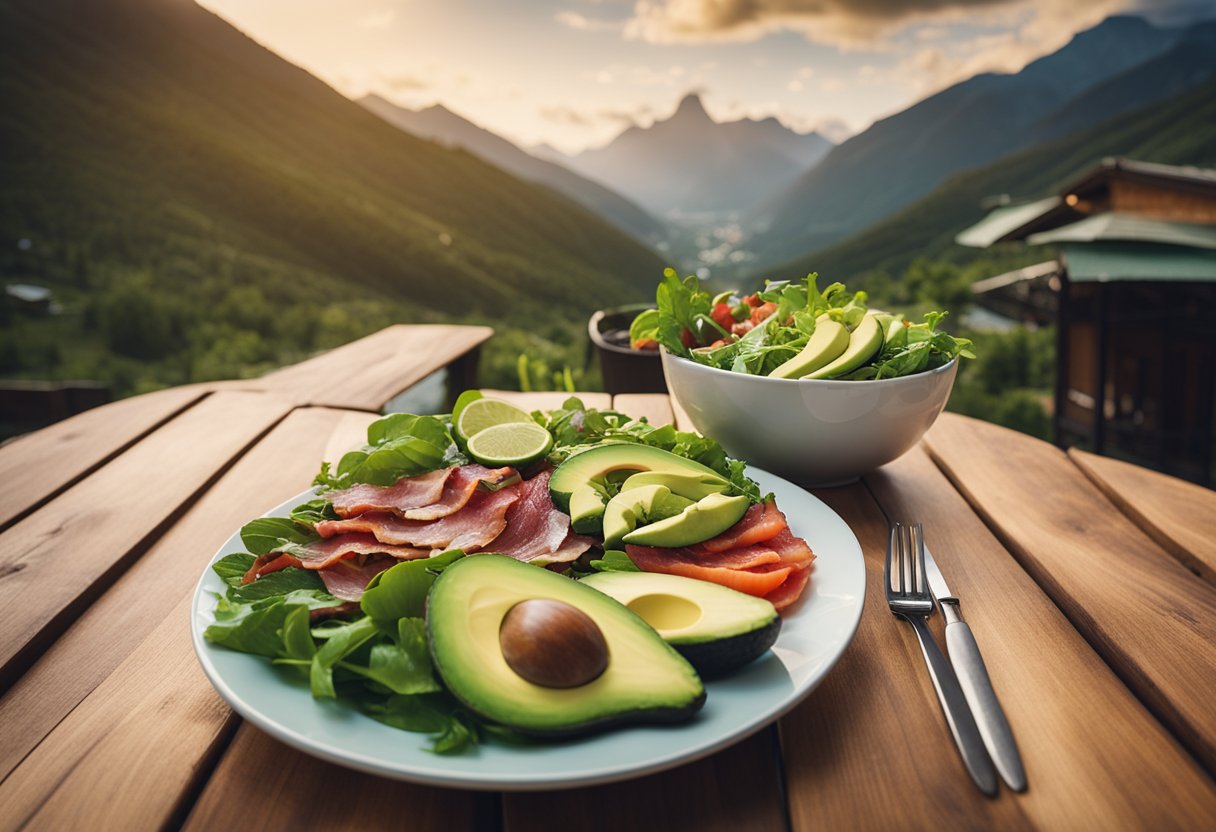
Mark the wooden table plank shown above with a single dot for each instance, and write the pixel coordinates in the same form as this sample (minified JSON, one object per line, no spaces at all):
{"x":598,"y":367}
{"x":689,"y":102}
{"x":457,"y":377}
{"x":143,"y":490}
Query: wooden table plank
{"x":280,"y":465}
{"x":57,"y":559}
{"x":1096,"y":758}
{"x":869,"y":748}
{"x":37,"y":466}
{"x":1150,"y":618}
{"x":739,"y":788}
{"x":655,"y":407}
{"x":549,"y":400}
{"x":1165,"y":507}
{"x":128,"y":755}
{"x":265,"y":785}
{"x":365,"y":374}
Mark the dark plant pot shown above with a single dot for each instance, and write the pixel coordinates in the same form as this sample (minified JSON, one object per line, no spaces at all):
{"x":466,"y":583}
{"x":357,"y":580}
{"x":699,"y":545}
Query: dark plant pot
{"x":624,"y":370}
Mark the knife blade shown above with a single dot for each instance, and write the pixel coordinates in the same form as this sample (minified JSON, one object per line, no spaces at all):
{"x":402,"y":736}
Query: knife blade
{"x":973,"y":677}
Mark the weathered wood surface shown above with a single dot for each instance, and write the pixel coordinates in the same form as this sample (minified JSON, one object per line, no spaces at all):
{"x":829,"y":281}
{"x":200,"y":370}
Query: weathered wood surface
{"x":1096,"y":757}
{"x":739,"y":788}
{"x":278,"y":467}
{"x":654,"y":407}
{"x":61,"y":556}
{"x":1179,"y":515}
{"x":365,"y":374}
{"x":39,"y":465}
{"x":265,"y":785}
{"x":1150,"y":618}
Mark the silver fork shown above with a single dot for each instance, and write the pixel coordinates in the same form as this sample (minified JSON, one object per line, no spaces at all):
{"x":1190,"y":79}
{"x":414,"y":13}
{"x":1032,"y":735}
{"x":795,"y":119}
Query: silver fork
{"x":909,"y":598}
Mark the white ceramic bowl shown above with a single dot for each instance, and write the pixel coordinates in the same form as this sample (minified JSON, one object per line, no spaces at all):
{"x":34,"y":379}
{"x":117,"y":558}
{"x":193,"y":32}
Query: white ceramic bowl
{"x":810,"y":431}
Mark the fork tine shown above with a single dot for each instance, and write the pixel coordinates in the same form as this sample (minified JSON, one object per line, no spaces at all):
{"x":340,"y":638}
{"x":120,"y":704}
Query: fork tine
{"x":906,"y":574}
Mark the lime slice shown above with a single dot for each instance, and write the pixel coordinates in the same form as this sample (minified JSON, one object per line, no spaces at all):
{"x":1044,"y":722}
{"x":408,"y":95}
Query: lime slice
{"x":514,"y":444}
{"x":486,"y":413}
{"x":464,"y":400}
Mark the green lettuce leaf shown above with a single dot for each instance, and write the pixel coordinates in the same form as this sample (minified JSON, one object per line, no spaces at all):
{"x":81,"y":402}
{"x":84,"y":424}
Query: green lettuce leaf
{"x":403,"y":664}
{"x":266,"y":534}
{"x":400,"y":591}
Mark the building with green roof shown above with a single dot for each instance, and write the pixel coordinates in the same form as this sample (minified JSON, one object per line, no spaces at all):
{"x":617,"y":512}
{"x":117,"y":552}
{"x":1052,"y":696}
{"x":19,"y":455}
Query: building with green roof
{"x":1134,"y":291}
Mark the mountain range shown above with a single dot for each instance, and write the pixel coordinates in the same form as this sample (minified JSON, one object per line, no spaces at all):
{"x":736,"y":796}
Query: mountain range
{"x":150,"y":136}
{"x":1120,"y":65}
{"x":1180,"y":131}
{"x":690,"y":164}
{"x":441,"y":125}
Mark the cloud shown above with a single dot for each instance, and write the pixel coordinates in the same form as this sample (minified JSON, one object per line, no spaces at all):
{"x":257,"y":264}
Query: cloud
{"x":405,"y":83}
{"x":381,"y":19}
{"x":565,"y":115}
{"x":869,"y":24}
{"x":830,"y":21}
{"x":582,"y":23}
{"x":562,"y":114}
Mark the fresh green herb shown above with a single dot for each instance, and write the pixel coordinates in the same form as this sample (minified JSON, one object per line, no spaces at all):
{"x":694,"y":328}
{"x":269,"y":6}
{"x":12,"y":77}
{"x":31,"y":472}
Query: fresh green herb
{"x":314,"y":512}
{"x":400,"y":445}
{"x":400,"y":592}
{"x":267,"y":534}
{"x":645,"y":327}
{"x":615,"y":560}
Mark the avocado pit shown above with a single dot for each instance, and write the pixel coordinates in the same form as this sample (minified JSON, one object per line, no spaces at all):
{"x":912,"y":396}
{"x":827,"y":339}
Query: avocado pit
{"x":552,"y":644}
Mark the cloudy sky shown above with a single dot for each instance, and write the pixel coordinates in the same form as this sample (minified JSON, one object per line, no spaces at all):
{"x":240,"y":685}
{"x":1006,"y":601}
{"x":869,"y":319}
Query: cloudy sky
{"x":574,"y":73}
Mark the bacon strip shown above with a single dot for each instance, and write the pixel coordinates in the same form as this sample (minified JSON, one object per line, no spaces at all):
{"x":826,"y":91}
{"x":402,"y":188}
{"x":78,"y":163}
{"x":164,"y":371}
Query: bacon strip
{"x":536,"y":529}
{"x":758,"y":580}
{"x":347,"y":579}
{"x":471,"y":528}
{"x":407,"y":493}
{"x":458,"y":490}
{"x":745,"y":557}
{"x":790,"y":589}
{"x":793,"y":550}
{"x":760,"y":523}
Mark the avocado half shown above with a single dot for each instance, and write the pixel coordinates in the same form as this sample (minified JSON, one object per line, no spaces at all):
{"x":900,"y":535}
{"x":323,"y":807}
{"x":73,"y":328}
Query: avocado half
{"x":579,"y":486}
{"x":716,"y":628}
{"x":645,"y":679}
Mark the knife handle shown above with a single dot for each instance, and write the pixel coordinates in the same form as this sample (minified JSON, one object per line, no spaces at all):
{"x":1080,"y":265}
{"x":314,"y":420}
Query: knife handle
{"x":977,"y":688}
{"x":954,"y":705}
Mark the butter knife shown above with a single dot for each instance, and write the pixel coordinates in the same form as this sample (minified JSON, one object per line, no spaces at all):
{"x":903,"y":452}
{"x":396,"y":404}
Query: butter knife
{"x":977,"y":687}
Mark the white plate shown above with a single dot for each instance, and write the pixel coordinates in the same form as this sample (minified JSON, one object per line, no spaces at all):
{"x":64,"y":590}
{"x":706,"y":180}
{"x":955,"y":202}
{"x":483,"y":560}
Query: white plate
{"x":813,"y":636}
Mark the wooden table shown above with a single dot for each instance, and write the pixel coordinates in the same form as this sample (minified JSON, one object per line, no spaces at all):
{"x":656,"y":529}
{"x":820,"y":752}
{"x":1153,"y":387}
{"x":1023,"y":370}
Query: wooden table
{"x":1089,"y":585}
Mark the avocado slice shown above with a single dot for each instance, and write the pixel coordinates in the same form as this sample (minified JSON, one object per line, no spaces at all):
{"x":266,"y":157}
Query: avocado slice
{"x":716,"y":628}
{"x":692,"y":486}
{"x":864,"y":344}
{"x":638,"y":506}
{"x":579,"y":486}
{"x":706,"y":518}
{"x":643,"y":680}
{"x":828,"y":342}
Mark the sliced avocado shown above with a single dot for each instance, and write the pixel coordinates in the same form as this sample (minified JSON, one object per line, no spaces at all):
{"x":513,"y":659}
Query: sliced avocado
{"x":586,"y":509}
{"x":635,"y":507}
{"x":706,"y":518}
{"x":692,"y":486}
{"x":587,"y":474}
{"x":864,"y":344}
{"x":716,"y":628}
{"x":828,"y":342}
{"x":469,"y":612}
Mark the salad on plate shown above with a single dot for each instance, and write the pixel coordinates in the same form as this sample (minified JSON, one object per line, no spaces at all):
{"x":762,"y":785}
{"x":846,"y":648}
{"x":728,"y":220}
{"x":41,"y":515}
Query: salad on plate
{"x":497,"y":574}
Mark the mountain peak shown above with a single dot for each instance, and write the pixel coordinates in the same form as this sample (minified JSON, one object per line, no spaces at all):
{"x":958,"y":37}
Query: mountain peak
{"x":691,"y":107}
